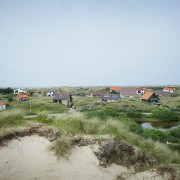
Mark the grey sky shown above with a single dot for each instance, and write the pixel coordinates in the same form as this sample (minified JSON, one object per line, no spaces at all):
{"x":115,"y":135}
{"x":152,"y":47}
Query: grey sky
{"x":95,"y":42}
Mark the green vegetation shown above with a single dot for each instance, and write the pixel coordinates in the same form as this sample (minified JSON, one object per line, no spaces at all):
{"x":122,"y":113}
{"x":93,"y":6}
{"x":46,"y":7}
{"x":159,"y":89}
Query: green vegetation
{"x":79,"y":124}
{"x":11,"y":118}
{"x":6,"y":90}
{"x":9,"y":97}
{"x":104,"y":114}
{"x":174,"y":134}
{"x":44,"y":118}
{"x":134,"y":115}
{"x":95,"y":118}
{"x":36,"y":105}
{"x":165,"y":114}
{"x":61,"y":147}
{"x":84,"y":104}
{"x":156,"y":135}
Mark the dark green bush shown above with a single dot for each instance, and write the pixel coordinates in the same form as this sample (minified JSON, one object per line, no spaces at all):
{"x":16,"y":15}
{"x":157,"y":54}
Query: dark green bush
{"x":156,"y":135}
{"x":9,"y":97}
{"x":174,"y":134}
{"x":134,"y":115}
{"x":104,"y":114}
{"x":175,"y":147}
{"x":165,"y":114}
{"x":134,"y":127}
{"x":174,"y":95}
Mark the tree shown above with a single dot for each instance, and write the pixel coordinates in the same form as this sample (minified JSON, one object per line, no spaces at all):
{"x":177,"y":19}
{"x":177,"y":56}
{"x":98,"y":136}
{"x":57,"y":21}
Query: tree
{"x":9,"y":97}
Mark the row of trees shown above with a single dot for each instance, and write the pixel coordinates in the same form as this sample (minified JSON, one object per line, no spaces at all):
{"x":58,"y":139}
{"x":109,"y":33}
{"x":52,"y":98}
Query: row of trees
{"x":6,"y":90}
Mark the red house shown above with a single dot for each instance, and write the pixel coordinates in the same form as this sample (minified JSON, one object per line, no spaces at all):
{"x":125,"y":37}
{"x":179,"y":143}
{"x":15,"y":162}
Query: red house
{"x":22,"y":97}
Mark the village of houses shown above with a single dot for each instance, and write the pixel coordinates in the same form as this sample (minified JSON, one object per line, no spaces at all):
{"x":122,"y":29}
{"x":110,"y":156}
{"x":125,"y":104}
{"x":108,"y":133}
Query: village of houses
{"x":102,"y":94}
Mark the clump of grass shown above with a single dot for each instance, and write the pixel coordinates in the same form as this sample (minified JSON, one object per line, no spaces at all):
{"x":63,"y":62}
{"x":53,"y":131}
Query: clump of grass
{"x":73,"y":124}
{"x":11,"y":118}
{"x":61,"y":148}
{"x":53,"y":108}
{"x":92,"y":126}
{"x":43,"y":117}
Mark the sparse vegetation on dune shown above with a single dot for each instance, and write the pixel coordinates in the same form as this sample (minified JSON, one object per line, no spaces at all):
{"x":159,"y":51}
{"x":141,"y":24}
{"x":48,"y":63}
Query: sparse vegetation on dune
{"x":61,"y":147}
{"x":79,"y":125}
{"x":36,"y":105}
{"x":11,"y":118}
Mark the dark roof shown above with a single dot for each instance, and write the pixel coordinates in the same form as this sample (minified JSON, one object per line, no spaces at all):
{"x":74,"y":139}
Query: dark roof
{"x":162,"y":93}
{"x":62,"y":97}
{"x":110,"y":96}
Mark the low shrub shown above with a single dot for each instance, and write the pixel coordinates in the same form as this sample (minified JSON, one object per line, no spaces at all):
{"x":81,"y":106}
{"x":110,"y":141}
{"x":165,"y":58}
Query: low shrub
{"x":165,"y":114}
{"x":105,"y":113}
{"x":156,"y":135}
{"x":92,"y":126}
{"x":175,"y":147}
{"x":134,"y":115}
{"x":61,"y":147}
{"x":174,"y":134}
{"x":134,"y":127}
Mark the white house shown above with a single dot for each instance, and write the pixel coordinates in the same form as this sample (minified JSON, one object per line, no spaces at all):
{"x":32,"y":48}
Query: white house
{"x":20,"y":91}
{"x":52,"y":92}
{"x":169,"y":89}
{"x":2,"y":105}
{"x":140,"y":91}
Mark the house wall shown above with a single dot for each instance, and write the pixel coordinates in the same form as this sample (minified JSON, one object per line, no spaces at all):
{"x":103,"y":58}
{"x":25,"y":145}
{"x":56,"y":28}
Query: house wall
{"x":171,"y":91}
{"x":23,"y":99}
{"x":153,"y":99}
{"x":19,"y":91}
{"x":65,"y":102}
{"x":2,"y":107}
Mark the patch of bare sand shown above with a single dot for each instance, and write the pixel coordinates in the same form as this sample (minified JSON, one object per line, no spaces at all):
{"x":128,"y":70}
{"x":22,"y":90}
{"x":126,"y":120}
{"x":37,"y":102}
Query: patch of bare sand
{"x":29,"y":158}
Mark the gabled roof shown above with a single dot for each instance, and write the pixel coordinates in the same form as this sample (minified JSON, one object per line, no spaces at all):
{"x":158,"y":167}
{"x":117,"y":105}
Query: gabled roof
{"x":62,"y":97}
{"x":2,"y":103}
{"x":147,"y":95}
{"x":23,"y":96}
{"x":115,"y":88}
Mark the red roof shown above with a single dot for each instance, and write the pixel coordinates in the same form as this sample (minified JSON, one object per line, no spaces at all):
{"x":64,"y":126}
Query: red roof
{"x":2,"y":103}
{"x":168,"y":88}
{"x":115,"y":88}
{"x":147,"y":95}
{"x":23,"y":96}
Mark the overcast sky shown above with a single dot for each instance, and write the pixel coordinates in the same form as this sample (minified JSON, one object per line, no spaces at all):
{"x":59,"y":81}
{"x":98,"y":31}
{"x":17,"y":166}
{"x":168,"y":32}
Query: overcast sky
{"x":89,"y":42}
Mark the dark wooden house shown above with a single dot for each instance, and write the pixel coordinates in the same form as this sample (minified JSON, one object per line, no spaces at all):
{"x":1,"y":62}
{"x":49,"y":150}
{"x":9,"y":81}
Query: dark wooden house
{"x":149,"y":97}
{"x":65,"y":99}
